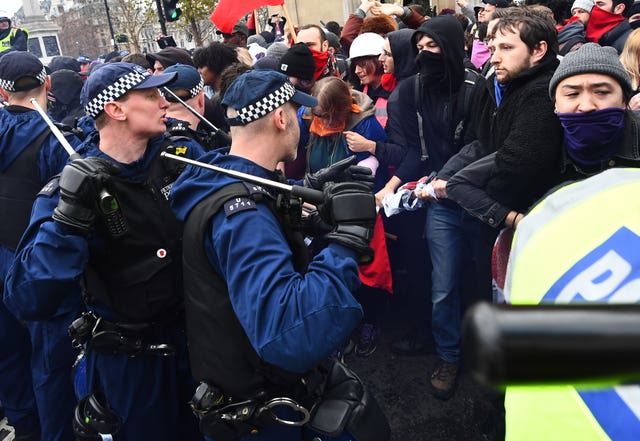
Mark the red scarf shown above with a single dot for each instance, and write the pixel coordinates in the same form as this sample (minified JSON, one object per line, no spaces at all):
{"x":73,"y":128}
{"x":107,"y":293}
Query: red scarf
{"x":325,"y":64}
{"x":389,"y":82}
{"x":601,"y":22}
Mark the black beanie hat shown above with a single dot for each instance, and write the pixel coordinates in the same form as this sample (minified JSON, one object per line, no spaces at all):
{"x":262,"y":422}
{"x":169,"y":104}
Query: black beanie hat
{"x":298,"y":62}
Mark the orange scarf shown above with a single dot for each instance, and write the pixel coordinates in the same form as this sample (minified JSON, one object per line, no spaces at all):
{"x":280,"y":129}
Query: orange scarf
{"x":319,"y":128}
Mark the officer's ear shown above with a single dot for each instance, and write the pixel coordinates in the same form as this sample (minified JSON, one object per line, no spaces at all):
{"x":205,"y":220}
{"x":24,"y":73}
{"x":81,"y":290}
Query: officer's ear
{"x":4,"y":94}
{"x":200,"y":102}
{"x":280,"y":118}
{"x":47,"y":83}
{"x":114,"y":110}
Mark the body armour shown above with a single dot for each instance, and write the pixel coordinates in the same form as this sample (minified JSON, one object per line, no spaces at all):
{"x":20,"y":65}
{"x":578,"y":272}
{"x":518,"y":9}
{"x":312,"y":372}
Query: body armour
{"x":138,"y":274}
{"x":219,"y":349}
{"x":19,"y":186}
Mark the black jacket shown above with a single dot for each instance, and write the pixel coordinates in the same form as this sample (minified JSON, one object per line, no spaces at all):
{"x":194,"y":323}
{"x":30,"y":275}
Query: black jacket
{"x":392,"y":151}
{"x":526,"y":137}
{"x":437,"y":107}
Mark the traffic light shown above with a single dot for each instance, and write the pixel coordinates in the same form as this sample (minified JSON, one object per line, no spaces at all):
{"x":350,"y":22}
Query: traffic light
{"x":171,"y":10}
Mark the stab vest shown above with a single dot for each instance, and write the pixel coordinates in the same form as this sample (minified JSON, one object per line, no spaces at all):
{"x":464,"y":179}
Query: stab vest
{"x":19,"y":186}
{"x":138,"y":275}
{"x":220,"y":352}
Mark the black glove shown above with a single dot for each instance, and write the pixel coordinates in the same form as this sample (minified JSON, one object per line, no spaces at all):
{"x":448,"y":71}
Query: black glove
{"x":351,"y":208}
{"x":314,"y":225}
{"x":81,"y":183}
{"x":341,"y":171}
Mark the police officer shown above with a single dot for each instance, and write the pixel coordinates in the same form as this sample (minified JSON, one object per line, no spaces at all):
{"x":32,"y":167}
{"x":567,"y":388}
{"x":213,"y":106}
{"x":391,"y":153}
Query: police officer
{"x":260,"y":316}
{"x":189,"y":87}
{"x":105,"y":226}
{"x":11,"y":38}
{"x":29,"y":156}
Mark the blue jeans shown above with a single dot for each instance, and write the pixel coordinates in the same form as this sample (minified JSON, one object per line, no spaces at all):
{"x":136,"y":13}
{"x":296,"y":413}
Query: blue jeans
{"x":444,"y":237}
{"x":459,"y":244}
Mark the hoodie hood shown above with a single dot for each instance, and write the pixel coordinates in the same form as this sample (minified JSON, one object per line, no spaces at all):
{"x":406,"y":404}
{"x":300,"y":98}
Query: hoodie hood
{"x":404,"y":53}
{"x":448,"y":33}
{"x":196,"y":183}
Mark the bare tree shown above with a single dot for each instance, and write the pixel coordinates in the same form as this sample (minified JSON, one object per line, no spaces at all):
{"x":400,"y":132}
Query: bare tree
{"x":195,"y":14}
{"x":131,"y":17}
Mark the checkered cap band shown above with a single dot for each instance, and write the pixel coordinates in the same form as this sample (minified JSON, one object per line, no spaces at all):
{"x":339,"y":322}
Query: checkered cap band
{"x":113,"y":92}
{"x":197,"y":89}
{"x":10,"y":86}
{"x":267,"y":104}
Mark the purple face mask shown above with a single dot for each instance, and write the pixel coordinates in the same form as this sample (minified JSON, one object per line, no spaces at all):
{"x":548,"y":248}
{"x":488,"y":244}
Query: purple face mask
{"x":592,"y":137}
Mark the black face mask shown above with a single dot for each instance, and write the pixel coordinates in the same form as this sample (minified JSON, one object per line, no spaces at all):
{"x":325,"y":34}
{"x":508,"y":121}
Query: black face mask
{"x":635,"y":24}
{"x":430,"y":64}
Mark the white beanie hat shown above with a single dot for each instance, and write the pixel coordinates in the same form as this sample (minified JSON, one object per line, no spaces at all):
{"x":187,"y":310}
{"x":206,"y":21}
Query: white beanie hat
{"x":587,"y":5}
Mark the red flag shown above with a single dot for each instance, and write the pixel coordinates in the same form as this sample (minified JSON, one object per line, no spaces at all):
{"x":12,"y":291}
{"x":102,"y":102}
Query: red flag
{"x":251,"y":22}
{"x":228,"y":12}
{"x":378,"y":273}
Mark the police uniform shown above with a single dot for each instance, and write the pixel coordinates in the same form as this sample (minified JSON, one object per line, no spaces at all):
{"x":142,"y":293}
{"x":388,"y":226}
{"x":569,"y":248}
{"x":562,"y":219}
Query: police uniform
{"x":128,"y":272}
{"x":260,"y":317}
{"x":12,"y":39}
{"x":30,"y":156}
{"x":595,"y":226}
{"x":119,"y":278}
{"x":190,"y":81}
{"x":274,"y":340}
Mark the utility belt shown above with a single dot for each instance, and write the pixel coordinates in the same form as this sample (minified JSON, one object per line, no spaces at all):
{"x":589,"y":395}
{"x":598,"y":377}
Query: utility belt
{"x":113,"y":338}
{"x":340,"y":403}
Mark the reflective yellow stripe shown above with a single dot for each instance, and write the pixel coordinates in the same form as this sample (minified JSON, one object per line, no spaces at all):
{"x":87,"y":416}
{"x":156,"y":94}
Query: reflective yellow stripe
{"x":558,"y":233}
{"x":560,"y":414}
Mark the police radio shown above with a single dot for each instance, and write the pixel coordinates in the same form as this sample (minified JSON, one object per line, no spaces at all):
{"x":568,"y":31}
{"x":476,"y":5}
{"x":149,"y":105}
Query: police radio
{"x":112,"y":214}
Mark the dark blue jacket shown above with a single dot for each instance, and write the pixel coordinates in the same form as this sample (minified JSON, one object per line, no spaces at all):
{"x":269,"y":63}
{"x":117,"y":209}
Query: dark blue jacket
{"x":292,"y":320}
{"x":19,"y":127}
{"x":50,"y":263}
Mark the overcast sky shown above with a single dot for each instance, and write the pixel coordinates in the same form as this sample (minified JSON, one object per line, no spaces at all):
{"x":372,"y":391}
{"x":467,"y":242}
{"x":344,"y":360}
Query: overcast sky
{"x":10,"y":6}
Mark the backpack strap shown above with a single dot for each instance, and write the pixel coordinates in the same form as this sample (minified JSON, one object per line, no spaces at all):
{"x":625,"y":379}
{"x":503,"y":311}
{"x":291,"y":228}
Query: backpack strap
{"x":417,"y":96}
{"x":465,"y":103}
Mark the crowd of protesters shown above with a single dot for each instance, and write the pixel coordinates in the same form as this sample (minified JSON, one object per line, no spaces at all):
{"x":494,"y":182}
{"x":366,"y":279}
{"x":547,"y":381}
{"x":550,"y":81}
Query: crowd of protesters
{"x":468,"y":118}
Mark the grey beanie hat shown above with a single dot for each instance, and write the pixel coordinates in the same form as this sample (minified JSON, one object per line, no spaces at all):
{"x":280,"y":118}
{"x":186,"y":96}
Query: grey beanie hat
{"x":277,"y":50}
{"x":591,"y":58}
{"x":587,"y":5}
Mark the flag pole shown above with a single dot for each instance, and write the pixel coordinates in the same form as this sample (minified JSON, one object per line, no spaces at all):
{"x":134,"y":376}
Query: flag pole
{"x":292,"y":29}
{"x":256,"y":22}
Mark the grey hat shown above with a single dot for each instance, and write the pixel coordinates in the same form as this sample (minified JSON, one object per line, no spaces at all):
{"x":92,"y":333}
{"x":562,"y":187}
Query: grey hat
{"x":257,"y":38}
{"x":277,"y":50}
{"x":587,"y":5}
{"x":591,"y":58}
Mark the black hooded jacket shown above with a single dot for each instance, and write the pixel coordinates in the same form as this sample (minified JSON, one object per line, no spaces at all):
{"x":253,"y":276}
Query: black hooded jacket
{"x":437,"y":101}
{"x":390,"y":152}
